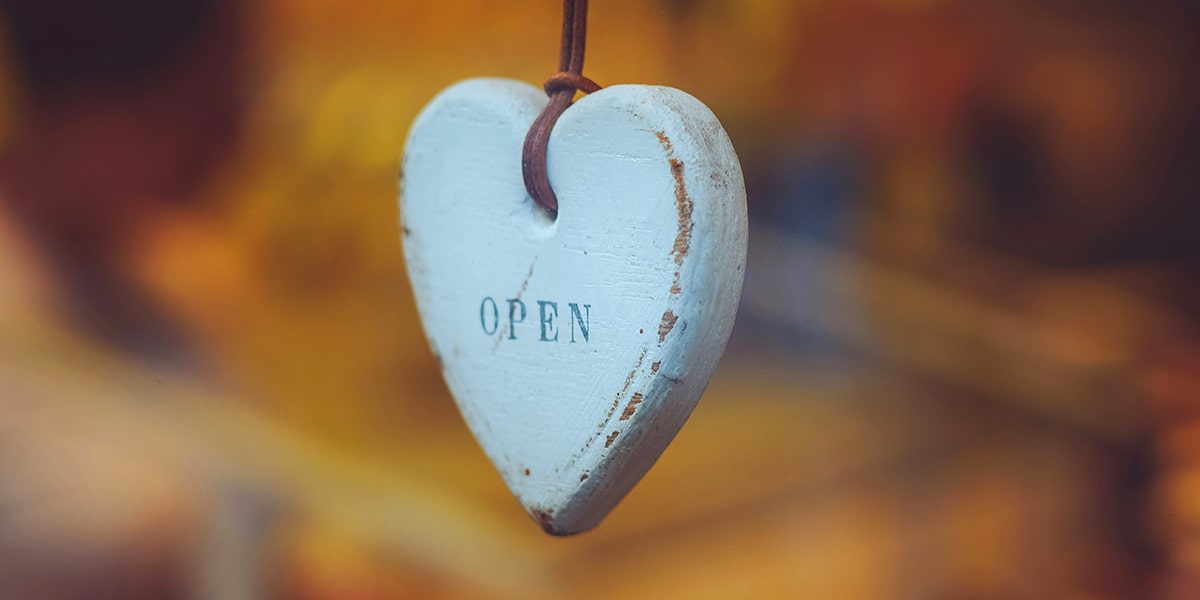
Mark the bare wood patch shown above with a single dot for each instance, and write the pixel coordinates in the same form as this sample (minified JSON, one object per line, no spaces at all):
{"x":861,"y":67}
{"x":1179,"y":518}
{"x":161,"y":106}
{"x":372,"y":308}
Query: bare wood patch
{"x":683,"y":207}
{"x":668,"y":323}
{"x":631,"y":407}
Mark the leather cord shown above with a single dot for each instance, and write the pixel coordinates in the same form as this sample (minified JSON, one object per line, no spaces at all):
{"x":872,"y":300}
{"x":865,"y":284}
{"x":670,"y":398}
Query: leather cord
{"x":561,"y":88}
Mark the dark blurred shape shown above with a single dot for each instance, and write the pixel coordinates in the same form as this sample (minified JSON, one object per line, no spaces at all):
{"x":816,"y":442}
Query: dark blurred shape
{"x":65,"y":44}
{"x":1086,"y":137}
{"x":131,"y":108}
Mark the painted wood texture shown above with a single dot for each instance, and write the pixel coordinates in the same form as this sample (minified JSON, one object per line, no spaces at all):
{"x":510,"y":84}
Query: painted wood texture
{"x":575,"y":347}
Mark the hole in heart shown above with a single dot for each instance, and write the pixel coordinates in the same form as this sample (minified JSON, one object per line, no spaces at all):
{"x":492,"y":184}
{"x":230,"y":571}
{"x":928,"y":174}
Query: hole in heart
{"x":540,"y":224}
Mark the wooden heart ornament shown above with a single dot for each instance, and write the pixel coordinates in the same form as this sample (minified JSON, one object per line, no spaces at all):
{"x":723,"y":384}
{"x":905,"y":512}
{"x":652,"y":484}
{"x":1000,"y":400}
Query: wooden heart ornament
{"x":576,"y":346}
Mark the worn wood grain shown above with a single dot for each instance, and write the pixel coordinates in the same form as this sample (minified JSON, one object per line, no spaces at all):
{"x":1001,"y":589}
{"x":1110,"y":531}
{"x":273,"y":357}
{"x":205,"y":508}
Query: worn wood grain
{"x":575,"y":347}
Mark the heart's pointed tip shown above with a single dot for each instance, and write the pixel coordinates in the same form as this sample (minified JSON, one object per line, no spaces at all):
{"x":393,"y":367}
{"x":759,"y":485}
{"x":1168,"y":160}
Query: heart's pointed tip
{"x":556,"y":525}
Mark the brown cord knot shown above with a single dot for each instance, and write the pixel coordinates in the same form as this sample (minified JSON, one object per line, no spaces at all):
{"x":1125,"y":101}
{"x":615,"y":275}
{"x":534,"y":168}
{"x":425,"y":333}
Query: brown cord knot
{"x":561,"y":88}
{"x":569,"y":81}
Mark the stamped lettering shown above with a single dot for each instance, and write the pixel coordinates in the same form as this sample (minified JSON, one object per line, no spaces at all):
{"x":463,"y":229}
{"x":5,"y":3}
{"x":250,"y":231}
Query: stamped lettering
{"x":579,"y":318}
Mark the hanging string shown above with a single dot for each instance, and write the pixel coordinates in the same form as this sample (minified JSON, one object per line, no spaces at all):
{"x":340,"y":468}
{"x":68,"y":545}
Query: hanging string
{"x":561,"y":88}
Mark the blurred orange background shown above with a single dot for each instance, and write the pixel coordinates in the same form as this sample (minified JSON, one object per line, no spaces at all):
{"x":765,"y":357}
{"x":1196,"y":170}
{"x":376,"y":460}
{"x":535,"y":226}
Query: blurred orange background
{"x":965,"y":364}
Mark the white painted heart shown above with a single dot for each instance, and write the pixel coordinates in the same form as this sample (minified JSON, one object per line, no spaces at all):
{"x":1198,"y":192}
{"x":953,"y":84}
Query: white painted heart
{"x":576,"y":347}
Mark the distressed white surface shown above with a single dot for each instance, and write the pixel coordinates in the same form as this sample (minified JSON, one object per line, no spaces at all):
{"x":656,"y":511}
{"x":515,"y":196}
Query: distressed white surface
{"x":650,"y":237}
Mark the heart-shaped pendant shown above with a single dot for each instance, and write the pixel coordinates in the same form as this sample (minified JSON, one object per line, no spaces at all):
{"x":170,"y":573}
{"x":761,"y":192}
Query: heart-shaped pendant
{"x":575,"y":347}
